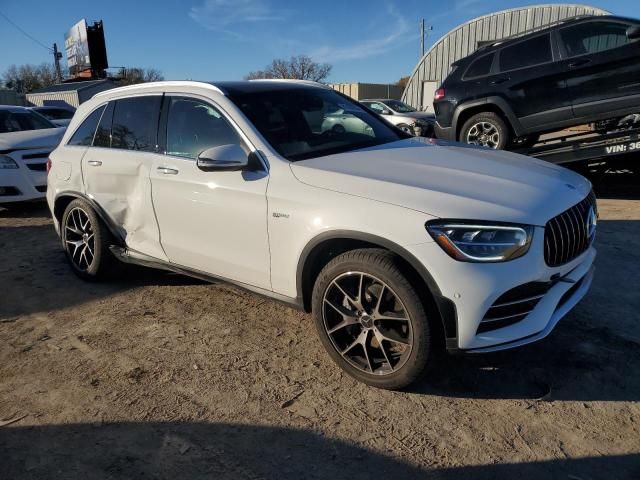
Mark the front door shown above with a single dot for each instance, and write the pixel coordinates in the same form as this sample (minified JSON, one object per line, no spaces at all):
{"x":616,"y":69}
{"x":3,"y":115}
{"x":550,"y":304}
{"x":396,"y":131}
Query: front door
{"x":214,"y":222}
{"x":602,"y":67}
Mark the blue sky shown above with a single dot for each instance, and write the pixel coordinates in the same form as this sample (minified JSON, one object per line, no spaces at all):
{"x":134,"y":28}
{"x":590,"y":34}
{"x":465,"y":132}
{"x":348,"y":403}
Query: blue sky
{"x":369,"y":41}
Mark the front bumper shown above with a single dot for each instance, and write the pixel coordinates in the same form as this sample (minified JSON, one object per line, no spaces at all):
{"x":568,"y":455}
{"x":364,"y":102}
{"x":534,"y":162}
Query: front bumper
{"x":474,"y":287}
{"x":22,"y":184}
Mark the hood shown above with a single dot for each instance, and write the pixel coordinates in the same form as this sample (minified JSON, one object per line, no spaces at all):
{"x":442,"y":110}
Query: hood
{"x":28,"y":139}
{"x":430,"y":117}
{"x":450,"y":180}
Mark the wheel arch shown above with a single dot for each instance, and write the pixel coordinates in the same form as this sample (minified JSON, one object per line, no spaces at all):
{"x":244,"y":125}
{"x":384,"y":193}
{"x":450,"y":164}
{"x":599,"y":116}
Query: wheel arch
{"x":492,"y":104}
{"x":63,"y":199}
{"x":322,"y":248}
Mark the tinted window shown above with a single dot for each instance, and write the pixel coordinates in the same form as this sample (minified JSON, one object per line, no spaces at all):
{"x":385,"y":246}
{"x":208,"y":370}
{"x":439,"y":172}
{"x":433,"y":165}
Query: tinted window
{"x":103,"y":133}
{"x":17,"y":121}
{"x":86,"y":130}
{"x":526,"y":54}
{"x":193,"y":126}
{"x":480,"y":67}
{"x":305,"y":123}
{"x":135,"y":123}
{"x":593,"y":37}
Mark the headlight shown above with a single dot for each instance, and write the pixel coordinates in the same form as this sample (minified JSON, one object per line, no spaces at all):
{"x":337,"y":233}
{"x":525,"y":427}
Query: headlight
{"x":7,"y":162}
{"x":477,"y":242}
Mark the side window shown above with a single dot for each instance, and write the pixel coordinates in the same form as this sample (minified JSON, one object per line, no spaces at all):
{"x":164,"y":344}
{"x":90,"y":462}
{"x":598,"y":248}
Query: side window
{"x":135,"y":123}
{"x":103,"y":133}
{"x":480,"y":67}
{"x":528,"y":53}
{"x":84,"y":134}
{"x":194,"y":126}
{"x":593,"y":37}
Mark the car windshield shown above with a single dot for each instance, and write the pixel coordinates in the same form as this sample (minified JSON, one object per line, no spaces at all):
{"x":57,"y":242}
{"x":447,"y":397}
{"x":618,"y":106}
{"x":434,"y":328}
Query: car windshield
{"x":400,"y":107}
{"x":17,"y":121}
{"x":56,"y":113}
{"x":303,"y":123}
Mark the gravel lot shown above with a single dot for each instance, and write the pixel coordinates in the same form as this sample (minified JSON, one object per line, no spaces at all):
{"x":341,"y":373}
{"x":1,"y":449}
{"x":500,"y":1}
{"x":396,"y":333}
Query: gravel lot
{"x":162,"y":376}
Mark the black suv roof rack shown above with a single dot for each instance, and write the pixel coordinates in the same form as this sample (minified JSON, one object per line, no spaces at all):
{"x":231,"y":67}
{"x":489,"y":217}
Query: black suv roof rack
{"x":533,"y":30}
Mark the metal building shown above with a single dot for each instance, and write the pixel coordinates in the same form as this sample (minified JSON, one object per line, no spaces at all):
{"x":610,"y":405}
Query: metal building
{"x":72,"y":93}
{"x":360,"y":91}
{"x":468,"y":37}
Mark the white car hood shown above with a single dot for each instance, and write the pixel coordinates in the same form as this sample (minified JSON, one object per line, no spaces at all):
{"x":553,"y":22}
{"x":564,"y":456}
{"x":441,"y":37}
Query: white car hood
{"x":450,"y":180}
{"x":46,"y":137}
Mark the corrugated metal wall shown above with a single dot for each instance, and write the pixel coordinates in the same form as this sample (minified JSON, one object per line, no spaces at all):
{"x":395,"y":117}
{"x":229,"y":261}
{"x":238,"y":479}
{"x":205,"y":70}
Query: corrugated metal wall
{"x":466,"y":38}
{"x":38,"y":99}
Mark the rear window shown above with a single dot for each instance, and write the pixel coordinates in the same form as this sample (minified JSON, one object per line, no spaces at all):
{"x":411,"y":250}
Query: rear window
{"x":84,"y":134}
{"x":480,"y":67}
{"x":534,"y":51}
{"x":18,"y":121}
{"x":135,"y":123}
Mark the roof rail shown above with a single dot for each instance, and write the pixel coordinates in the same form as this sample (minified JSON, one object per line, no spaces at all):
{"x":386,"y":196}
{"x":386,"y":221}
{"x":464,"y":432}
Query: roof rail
{"x":535,"y":29}
{"x":169,"y":83}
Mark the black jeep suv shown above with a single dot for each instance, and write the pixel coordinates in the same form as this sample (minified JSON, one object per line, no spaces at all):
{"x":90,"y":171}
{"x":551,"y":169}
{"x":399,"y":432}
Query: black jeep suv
{"x":509,"y":92}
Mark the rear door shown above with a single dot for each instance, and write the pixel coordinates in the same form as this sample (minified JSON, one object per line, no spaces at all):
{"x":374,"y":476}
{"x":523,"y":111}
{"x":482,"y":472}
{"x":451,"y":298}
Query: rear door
{"x":211,"y":221}
{"x":531,"y":81}
{"x":602,"y":67}
{"x":116,"y":169}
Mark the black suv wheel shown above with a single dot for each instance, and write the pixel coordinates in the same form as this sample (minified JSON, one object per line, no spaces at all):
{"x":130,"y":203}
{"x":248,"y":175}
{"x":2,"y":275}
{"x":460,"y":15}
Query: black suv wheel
{"x":486,"y":129}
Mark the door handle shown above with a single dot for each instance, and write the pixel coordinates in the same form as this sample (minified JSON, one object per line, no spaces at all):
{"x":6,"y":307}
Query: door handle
{"x":94,"y":163}
{"x":167,"y":171}
{"x":579,"y":63}
{"x":498,"y":81}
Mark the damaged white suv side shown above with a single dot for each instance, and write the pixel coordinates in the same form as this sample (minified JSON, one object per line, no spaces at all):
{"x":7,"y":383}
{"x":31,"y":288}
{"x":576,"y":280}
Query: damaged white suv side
{"x":396,"y":244}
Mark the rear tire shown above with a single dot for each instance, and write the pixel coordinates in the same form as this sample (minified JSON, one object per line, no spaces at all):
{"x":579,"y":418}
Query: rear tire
{"x":486,"y":129}
{"x":86,"y":241}
{"x":371,"y":320}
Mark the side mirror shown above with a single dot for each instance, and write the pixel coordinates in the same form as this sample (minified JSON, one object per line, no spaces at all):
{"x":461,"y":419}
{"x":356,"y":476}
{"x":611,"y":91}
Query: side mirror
{"x":633,"y":32}
{"x":386,"y":112}
{"x":223,"y":159}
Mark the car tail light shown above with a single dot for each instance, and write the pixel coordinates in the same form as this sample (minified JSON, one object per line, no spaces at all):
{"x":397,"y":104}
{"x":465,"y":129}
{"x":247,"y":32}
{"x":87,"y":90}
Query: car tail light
{"x":440,"y":93}
{"x":48,"y":164}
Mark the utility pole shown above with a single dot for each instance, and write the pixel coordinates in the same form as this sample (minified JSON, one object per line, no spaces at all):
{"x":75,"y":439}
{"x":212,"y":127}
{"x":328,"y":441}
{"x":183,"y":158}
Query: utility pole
{"x":56,"y":58}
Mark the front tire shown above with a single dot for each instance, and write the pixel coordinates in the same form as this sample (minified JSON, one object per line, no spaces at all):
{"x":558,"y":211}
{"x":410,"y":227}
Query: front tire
{"x":86,"y":241}
{"x":486,"y":129}
{"x":371,"y":320}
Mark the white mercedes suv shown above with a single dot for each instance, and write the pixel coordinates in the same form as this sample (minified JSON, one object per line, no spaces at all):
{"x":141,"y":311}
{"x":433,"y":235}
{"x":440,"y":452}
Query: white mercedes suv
{"x":396,"y":244}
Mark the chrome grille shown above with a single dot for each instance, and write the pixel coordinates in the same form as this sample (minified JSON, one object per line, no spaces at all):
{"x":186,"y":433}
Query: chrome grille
{"x":567,"y":235}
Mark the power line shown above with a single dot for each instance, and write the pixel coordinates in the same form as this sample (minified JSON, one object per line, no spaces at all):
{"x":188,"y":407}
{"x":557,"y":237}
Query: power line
{"x":25,"y":33}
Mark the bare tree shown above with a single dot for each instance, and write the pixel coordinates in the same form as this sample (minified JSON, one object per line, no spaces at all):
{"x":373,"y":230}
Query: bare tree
{"x":403,"y":82}
{"x":301,"y":67}
{"x":28,"y":77}
{"x":130,"y":76}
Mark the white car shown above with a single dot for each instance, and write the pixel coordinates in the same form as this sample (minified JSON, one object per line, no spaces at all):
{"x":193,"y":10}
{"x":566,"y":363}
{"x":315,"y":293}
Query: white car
{"x":26,"y":139}
{"x":396,"y":244}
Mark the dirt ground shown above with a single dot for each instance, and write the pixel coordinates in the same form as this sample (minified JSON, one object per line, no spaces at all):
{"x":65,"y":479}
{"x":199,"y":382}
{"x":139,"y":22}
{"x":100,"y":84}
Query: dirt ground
{"x":161,"y":376}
